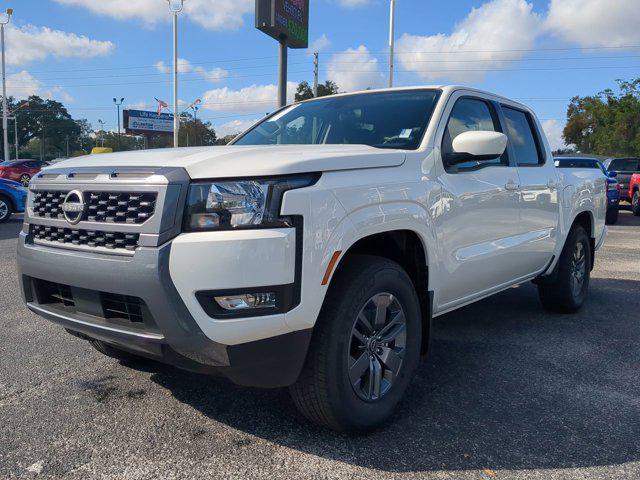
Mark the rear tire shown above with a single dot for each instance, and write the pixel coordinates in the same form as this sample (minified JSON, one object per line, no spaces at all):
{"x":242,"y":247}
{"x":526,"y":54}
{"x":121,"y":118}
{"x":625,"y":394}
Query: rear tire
{"x":635,"y":203}
{"x":612,"y":216}
{"x":6,"y":210}
{"x":365,"y":347}
{"x":567,"y":292}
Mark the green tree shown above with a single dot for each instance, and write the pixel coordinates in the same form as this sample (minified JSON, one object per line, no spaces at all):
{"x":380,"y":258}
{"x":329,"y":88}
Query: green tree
{"x":305,"y":91}
{"x":196,"y":133}
{"x":607,"y":123}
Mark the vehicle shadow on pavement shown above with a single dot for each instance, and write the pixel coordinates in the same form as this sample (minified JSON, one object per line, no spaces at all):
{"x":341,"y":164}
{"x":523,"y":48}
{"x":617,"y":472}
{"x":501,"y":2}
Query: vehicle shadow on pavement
{"x":10,"y":229}
{"x":507,"y":386}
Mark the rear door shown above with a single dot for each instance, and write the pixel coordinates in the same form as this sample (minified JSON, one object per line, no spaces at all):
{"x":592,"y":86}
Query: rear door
{"x":539,"y":207}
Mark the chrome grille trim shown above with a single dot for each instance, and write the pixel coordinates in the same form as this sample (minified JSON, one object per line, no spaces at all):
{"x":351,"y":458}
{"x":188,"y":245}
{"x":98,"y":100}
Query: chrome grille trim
{"x":102,"y":207}
{"x":157,"y":194}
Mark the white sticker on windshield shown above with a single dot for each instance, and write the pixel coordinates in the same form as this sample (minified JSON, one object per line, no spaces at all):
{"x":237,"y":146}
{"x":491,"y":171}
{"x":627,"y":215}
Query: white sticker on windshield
{"x":405,"y":133}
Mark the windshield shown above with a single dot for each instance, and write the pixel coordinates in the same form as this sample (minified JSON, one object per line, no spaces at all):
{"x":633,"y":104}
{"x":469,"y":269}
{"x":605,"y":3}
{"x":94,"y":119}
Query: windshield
{"x":381,"y":120}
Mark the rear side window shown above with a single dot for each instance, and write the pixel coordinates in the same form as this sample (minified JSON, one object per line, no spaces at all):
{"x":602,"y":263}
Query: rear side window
{"x":576,"y":163}
{"x":523,"y":137}
{"x":624,"y":165}
{"x":470,"y":114}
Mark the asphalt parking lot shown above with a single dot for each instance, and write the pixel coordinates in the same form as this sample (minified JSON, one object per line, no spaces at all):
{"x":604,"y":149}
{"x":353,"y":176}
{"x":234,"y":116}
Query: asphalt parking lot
{"x":508,"y":392}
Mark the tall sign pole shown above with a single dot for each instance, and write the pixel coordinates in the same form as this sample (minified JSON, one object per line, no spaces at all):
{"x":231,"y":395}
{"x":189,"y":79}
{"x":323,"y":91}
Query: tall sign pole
{"x":392,"y":22}
{"x":282,"y":75}
{"x":287,"y":21}
{"x":5,"y":109}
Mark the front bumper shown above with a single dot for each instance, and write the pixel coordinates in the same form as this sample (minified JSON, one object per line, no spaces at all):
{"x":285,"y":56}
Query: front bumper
{"x":174,"y":336}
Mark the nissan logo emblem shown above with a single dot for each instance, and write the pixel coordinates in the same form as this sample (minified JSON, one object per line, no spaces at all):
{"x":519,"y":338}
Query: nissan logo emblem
{"x":73,"y":207}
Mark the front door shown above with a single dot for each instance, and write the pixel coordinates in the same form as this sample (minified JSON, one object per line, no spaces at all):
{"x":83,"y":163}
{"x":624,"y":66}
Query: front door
{"x":476,"y":228}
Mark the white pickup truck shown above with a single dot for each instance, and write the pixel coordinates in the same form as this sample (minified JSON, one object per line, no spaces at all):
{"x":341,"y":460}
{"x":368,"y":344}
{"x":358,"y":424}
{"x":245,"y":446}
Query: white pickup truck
{"x":314,"y":251}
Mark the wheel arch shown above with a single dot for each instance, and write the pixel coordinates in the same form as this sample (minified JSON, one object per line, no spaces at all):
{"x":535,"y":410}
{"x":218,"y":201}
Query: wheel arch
{"x":8,"y":198}
{"x":407,"y":248}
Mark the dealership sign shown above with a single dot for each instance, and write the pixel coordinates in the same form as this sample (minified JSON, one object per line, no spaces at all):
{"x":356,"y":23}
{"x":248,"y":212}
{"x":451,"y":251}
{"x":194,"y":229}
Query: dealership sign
{"x":139,"y":122}
{"x":284,"y":20}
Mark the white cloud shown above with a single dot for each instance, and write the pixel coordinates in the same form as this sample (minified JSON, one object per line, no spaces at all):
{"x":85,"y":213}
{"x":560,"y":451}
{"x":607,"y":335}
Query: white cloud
{"x":553,"y":130}
{"x":212,"y":15}
{"x":355,"y":69}
{"x":185,"y":66}
{"x":22,"y":85}
{"x":30,"y":43}
{"x":496,"y":25}
{"x":320,"y":43}
{"x":354,"y":3}
{"x":254,"y":98}
{"x":141,"y":105}
{"x":596,"y":23}
{"x":234,"y":127}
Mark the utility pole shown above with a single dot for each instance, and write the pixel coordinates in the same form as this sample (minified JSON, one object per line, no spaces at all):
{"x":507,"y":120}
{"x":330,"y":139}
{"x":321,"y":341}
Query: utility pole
{"x":67,"y":138}
{"x":118,"y":104}
{"x":15,"y":124}
{"x":392,"y":15}
{"x":4,"y":20}
{"x":175,"y":7}
{"x":101,"y":133}
{"x":316,"y":60}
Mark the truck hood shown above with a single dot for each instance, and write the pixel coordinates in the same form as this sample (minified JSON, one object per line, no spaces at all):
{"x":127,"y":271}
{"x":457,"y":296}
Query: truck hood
{"x":244,"y":161}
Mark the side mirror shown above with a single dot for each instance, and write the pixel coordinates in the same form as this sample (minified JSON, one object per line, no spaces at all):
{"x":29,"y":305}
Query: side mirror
{"x":478,"y":146}
{"x":612,"y":174}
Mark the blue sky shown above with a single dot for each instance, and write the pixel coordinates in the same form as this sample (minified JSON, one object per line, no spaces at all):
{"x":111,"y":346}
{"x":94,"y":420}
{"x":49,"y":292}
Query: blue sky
{"x":543,"y":52}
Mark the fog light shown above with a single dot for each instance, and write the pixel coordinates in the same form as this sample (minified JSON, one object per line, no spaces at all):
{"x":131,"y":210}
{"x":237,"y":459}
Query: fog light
{"x":246,"y":301}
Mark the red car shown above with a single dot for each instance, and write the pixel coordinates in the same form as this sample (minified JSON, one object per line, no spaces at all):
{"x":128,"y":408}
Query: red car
{"x":21,"y":170}
{"x":634,"y":193}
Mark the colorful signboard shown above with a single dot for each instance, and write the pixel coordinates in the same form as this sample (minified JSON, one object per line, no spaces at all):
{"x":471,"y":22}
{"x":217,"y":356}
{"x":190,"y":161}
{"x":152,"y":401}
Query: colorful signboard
{"x":284,"y":20}
{"x":138,"y":122}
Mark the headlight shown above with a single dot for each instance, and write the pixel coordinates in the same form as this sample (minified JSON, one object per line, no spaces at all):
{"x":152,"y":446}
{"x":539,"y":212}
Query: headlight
{"x":236,"y":204}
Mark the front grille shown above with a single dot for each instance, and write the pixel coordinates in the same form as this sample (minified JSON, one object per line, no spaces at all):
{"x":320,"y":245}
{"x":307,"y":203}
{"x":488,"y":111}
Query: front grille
{"x":88,"y":238}
{"x":102,"y":207}
{"x":122,"y":306}
{"x":109,"y":307}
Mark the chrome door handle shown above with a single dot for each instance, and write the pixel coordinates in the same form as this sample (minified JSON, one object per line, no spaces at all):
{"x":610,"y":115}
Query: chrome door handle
{"x":511,"y":185}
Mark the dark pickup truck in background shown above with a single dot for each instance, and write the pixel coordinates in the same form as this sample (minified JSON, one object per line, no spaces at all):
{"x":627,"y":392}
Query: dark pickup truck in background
{"x":625,"y":168}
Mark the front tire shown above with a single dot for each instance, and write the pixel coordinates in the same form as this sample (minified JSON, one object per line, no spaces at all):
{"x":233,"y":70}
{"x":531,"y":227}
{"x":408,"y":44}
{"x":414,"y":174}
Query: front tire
{"x":365,"y":348}
{"x":635,"y":203}
{"x":5,"y":210}
{"x":567,"y":292}
{"x":118,"y":354}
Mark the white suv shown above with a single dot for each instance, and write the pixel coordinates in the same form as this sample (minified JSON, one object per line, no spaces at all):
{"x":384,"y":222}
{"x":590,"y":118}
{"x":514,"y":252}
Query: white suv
{"x":313,"y":252}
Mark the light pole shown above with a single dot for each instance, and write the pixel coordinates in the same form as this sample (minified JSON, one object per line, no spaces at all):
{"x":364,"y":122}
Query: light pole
{"x":175,"y":7}
{"x":392,"y":15}
{"x":101,"y":122}
{"x":4,"y":20}
{"x":115,"y":100}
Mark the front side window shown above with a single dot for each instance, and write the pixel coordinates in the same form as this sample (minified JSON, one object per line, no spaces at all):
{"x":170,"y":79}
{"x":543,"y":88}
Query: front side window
{"x":469,"y":114}
{"x":522,"y":138}
{"x":395,"y":120}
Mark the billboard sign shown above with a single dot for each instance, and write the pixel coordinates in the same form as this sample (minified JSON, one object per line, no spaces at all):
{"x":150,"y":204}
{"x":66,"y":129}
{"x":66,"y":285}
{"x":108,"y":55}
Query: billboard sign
{"x":284,"y":20}
{"x":137,"y":122}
